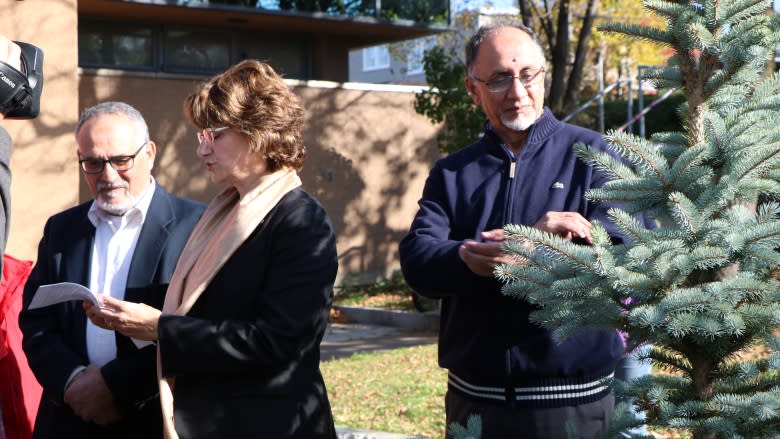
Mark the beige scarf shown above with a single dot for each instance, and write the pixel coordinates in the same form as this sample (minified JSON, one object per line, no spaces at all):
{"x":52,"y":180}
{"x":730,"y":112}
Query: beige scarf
{"x":226,"y":224}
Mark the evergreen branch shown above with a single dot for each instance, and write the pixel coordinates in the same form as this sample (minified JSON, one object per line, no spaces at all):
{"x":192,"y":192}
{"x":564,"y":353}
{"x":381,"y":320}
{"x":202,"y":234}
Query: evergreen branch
{"x":691,"y":183}
{"x":670,"y":10}
{"x":671,"y":74}
{"x":766,"y":235}
{"x":648,"y":34}
{"x":702,"y":39}
{"x":611,"y":167}
{"x":708,"y":257}
{"x":713,"y":200}
{"x":633,"y":287}
{"x":644,"y":155}
{"x":750,"y":190}
{"x":767,"y":211}
{"x":672,"y":362}
{"x":727,"y":87}
{"x":673,"y":144}
{"x":684,"y":213}
{"x":554,"y":247}
{"x":574,"y":287}
{"x":765,"y":96}
{"x":521,"y":281}
{"x":755,"y":164}
{"x":739,"y":11}
{"x":690,"y":161}
{"x":634,"y":193}
{"x":628,"y":225}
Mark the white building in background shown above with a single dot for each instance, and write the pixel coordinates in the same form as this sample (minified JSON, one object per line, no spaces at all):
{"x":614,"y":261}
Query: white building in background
{"x":402,"y":63}
{"x":398,"y":63}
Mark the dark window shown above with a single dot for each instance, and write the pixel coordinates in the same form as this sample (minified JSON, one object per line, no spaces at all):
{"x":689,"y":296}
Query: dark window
{"x":116,"y":45}
{"x":287,"y":56}
{"x":182,"y":49}
{"x":196,"y":51}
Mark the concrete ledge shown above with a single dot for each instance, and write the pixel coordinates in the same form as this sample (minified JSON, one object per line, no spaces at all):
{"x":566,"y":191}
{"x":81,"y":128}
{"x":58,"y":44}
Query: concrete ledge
{"x":353,"y":433}
{"x":428,"y":321}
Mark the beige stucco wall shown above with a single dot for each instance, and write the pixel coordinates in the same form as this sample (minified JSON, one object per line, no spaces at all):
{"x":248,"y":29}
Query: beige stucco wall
{"x":45,"y":179}
{"x":369,"y":154}
{"x":369,"y":151}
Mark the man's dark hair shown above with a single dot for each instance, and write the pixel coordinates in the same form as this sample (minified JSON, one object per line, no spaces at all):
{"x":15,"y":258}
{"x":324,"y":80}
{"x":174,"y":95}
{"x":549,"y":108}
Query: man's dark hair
{"x":472,"y":47}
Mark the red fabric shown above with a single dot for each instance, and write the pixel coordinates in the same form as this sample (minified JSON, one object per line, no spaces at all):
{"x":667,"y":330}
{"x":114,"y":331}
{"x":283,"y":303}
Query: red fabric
{"x":19,"y":390}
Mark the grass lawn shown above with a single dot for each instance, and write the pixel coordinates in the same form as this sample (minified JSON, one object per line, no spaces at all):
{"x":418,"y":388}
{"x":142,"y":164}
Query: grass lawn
{"x":391,"y":293}
{"x":399,"y":391}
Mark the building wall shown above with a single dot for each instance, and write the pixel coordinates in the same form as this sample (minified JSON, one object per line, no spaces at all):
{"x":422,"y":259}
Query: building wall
{"x":396,"y":73}
{"x":45,"y":173}
{"x":369,"y":151}
{"x":369,"y":155}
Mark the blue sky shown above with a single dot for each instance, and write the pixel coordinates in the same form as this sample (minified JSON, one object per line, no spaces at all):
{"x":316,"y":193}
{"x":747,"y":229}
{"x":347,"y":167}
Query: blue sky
{"x":460,"y":4}
{"x":463,"y":4}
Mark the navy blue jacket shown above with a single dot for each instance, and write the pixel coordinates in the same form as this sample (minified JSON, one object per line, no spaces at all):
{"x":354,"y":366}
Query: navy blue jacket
{"x":486,"y":338}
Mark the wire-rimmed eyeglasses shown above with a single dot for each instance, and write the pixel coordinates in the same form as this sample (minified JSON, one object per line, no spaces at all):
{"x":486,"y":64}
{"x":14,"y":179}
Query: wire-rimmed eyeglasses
{"x":208,"y":134}
{"x":120,"y":163}
{"x":502,"y":83}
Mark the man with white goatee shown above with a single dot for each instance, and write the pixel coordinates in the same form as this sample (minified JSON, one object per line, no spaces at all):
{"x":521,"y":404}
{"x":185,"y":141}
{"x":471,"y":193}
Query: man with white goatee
{"x":501,"y":366}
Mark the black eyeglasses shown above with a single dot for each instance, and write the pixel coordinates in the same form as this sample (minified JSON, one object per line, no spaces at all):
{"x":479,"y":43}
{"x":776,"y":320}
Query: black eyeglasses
{"x":502,"y":83}
{"x":120,"y":163}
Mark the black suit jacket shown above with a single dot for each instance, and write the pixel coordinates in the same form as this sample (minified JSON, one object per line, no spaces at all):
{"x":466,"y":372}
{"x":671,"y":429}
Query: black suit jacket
{"x":246,"y":357}
{"x":55,"y":336}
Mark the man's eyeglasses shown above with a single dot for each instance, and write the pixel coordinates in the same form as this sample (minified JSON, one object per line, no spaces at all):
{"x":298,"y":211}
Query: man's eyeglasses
{"x":120,"y":163}
{"x":502,"y":83}
{"x":208,"y":134}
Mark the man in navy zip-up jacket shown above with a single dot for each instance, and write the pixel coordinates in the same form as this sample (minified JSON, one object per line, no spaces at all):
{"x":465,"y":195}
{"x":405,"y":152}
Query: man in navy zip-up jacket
{"x":522,"y":171}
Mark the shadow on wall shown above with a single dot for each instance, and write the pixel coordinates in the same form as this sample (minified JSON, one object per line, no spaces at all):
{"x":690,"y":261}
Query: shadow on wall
{"x":368,"y":156}
{"x":177,"y":167}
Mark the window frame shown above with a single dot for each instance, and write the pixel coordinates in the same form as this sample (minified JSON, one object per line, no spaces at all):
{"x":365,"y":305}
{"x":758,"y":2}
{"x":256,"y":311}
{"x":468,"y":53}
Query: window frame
{"x":371,"y":54}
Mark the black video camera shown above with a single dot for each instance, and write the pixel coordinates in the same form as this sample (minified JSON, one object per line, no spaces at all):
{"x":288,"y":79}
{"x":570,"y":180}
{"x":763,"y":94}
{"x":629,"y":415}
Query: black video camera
{"x":20,"y":91}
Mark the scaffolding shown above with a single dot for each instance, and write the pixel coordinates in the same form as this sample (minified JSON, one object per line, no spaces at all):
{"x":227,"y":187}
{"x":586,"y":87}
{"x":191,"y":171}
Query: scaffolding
{"x":626,"y":82}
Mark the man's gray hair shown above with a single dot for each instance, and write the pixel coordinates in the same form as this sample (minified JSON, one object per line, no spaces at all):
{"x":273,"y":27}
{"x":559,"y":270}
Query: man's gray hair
{"x":476,"y":40}
{"x":115,"y":107}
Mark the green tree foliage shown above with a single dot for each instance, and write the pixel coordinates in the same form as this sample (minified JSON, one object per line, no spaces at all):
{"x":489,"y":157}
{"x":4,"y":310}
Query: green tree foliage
{"x":420,"y":11}
{"x":700,"y":287}
{"x":616,"y":47}
{"x":448,"y":102}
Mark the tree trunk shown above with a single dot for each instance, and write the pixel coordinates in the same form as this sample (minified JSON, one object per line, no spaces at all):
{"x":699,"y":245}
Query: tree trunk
{"x":560,"y":58}
{"x":580,"y":56}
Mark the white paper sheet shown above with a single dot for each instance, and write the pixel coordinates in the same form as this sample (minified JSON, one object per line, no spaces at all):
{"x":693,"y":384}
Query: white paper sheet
{"x":52,"y":294}
{"x":62,"y":292}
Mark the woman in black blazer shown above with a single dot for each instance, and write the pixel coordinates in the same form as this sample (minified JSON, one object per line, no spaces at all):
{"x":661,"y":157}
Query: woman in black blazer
{"x":238,"y":337}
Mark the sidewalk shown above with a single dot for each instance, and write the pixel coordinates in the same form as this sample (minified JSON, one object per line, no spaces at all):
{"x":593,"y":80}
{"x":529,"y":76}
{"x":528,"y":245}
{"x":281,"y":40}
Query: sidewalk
{"x":344,"y":339}
{"x":366,"y":335}
{"x":353,"y":433}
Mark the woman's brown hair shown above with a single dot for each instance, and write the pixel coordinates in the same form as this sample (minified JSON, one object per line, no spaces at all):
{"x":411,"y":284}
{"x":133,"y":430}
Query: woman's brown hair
{"x":253,"y":98}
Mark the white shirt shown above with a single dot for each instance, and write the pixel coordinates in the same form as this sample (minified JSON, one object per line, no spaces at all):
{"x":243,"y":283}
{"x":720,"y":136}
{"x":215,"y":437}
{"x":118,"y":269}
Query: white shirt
{"x":112,"y":251}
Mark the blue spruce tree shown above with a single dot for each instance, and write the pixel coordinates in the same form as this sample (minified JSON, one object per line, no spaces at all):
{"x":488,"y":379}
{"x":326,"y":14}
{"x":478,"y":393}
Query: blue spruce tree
{"x":702,"y":287}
